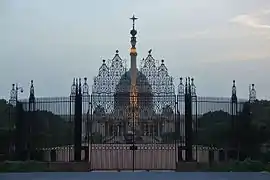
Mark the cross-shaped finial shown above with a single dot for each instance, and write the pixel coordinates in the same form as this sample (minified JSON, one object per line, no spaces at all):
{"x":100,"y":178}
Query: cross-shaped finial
{"x":133,"y":18}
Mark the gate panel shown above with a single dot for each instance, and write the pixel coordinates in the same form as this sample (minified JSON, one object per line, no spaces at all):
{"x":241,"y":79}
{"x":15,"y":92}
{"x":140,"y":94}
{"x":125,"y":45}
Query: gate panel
{"x":48,"y":129}
{"x":110,"y":137}
{"x":155,"y":157}
{"x":155,"y":119}
{"x":215,"y":124}
{"x":111,"y":157}
{"x":133,"y":136}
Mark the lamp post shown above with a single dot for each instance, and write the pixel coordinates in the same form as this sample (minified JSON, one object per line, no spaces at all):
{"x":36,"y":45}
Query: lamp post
{"x":16,"y":89}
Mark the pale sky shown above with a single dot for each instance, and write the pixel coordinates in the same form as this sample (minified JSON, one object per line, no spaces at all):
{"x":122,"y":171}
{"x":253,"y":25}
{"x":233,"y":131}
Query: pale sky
{"x":214,"y":41}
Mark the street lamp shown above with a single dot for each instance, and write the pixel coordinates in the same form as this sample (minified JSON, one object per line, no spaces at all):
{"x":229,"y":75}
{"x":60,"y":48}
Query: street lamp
{"x":13,"y":100}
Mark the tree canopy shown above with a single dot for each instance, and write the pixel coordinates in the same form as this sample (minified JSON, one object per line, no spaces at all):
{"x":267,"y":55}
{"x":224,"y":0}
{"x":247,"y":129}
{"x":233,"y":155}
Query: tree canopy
{"x":47,"y":129}
{"x":247,"y":131}
{"x":213,"y":129}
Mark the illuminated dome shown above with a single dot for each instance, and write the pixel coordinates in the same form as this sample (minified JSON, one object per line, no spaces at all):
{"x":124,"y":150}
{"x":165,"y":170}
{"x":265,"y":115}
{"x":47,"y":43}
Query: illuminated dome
{"x":123,"y":90}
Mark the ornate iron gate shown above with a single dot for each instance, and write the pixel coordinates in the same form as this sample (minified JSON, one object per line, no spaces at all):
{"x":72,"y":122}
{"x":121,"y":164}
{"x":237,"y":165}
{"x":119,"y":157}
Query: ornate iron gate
{"x":116,"y":131}
{"x":143,"y":131}
{"x":125,"y":136}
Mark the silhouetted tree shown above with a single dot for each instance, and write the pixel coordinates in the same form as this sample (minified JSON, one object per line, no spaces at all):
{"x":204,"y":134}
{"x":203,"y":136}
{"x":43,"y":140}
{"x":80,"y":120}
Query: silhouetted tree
{"x":40,"y":129}
{"x":213,"y":129}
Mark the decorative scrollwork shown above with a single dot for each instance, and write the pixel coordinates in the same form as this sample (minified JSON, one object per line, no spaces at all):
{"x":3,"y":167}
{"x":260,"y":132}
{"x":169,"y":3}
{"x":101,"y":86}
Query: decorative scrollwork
{"x":73,"y":89}
{"x":252,"y":94}
{"x":13,"y":95}
{"x":193,"y":88}
{"x":32,"y":89}
{"x":153,"y":83}
{"x":233,"y":88}
{"x":181,"y":88}
{"x":108,"y":76}
{"x":234,"y":97}
{"x":85,"y":87}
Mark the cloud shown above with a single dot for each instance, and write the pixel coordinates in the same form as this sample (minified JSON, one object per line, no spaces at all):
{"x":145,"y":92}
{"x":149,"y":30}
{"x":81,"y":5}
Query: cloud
{"x":252,"y":20}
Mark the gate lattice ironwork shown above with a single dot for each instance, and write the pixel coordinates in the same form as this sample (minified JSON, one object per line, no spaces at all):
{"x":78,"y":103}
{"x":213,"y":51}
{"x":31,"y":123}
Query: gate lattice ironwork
{"x":132,"y":135}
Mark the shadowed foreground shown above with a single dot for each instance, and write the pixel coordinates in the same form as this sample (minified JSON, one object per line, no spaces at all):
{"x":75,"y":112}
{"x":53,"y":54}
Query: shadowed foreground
{"x":135,"y":176}
{"x":31,"y":166}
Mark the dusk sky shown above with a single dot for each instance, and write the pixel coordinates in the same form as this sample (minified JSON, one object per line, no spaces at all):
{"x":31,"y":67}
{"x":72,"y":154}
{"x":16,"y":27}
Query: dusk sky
{"x":214,"y":41}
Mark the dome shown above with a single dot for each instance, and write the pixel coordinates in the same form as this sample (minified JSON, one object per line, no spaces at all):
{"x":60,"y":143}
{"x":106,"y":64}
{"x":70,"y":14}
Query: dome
{"x":142,"y":83}
{"x":123,"y":90}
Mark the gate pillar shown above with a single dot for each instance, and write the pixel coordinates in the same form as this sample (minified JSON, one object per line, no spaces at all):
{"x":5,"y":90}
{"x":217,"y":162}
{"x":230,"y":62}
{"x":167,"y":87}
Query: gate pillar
{"x":188,"y":121}
{"x":234,"y":108}
{"x":32,"y":124}
{"x":78,"y":122}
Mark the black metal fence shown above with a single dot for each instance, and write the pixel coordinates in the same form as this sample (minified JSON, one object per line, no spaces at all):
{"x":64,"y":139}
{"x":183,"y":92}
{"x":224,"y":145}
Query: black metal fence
{"x":124,"y":132}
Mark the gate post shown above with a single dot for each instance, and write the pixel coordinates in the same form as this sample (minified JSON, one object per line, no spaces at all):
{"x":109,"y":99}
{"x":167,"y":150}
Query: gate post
{"x":78,"y":122}
{"x":32,"y":126}
{"x":188,"y":121}
{"x":194,"y":118}
{"x":234,"y":103}
{"x":86,"y":101}
{"x":179,"y":147}
{"x":179,"y":128}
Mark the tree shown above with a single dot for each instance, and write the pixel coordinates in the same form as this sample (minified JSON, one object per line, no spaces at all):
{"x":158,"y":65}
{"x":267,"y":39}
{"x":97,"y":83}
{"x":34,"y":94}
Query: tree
{"x":41,"y":128}
{"x":260,"y":114}
{"x":171,"y":137}
{"x":247,"y":133}
{"x":213,"y":129}
{"x":49,"y":130}
{"x":6,"y":125}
